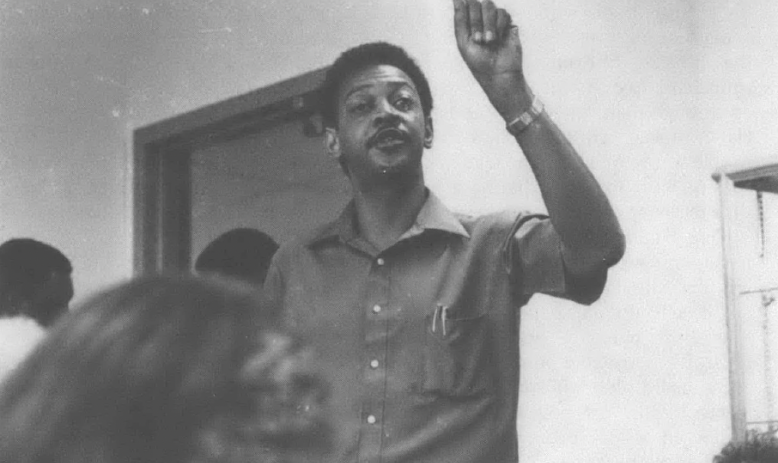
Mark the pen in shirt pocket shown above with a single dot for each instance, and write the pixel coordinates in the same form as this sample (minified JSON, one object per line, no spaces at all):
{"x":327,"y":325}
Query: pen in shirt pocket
{"x":441,"y":312}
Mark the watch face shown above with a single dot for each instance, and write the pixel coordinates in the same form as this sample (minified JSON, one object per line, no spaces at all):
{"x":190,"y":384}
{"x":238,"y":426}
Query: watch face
{"x":526,"y":118}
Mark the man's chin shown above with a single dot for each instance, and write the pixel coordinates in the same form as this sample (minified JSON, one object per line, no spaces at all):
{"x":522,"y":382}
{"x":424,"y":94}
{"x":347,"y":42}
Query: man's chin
{"x":397,"y":170}
{"x":395,"y":161}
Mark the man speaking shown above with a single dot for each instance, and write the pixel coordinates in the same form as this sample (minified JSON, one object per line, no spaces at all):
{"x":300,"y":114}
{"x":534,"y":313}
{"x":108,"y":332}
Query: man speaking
{"x":412,"y":309}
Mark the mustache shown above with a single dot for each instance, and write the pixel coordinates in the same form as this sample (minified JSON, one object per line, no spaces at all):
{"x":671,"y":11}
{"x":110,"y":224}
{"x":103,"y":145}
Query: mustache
{"x":387,"y":131}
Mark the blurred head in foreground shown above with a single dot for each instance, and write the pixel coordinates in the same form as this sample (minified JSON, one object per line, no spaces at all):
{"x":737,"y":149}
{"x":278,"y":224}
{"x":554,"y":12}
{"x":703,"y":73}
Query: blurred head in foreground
{"x":164,"y":370}
{"x":242,"y":253}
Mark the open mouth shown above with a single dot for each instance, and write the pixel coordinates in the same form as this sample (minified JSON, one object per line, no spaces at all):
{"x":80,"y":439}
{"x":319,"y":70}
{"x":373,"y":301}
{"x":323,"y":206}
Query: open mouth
{"x":388,"y":139}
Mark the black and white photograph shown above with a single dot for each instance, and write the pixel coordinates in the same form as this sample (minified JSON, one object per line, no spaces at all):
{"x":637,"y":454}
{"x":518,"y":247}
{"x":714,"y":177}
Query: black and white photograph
{"x":388,"y":231}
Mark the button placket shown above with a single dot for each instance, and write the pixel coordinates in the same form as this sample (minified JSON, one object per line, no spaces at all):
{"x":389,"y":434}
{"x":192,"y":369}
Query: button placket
{"x":373,"y":377}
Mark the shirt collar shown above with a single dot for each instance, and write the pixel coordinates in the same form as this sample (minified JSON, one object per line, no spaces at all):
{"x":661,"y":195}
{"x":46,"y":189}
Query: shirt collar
{"x":434,"y":215}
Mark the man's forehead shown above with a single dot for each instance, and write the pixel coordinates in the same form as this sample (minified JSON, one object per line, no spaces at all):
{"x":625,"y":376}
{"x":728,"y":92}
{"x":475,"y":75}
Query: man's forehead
{"x":374,"y":75}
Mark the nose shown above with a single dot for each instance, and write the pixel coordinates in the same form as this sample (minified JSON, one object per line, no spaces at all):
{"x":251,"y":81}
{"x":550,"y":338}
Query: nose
{"x":386,"y":114}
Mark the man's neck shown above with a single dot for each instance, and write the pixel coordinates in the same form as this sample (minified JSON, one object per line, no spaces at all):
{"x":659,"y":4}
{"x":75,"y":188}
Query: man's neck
{"x":384,"y":213}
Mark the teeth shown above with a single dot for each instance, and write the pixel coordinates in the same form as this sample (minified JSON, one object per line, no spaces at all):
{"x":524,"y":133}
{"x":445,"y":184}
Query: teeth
{"x":389,"y":139}
{"x":389,"y":142}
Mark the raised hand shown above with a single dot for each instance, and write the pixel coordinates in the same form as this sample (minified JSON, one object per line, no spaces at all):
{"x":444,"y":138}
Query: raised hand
{"x":489,"y":45}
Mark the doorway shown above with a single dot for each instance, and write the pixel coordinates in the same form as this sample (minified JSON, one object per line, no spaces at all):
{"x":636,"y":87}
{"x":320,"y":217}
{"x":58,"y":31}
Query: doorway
{"x":256,"y":160}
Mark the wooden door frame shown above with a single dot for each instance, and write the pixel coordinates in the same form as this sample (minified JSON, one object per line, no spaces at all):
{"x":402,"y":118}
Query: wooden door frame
{"x":762,"y":177}
{"x":162,"y":168}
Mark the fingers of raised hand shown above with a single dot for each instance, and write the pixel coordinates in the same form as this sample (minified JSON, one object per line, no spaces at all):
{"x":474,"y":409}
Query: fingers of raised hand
{"x":475,"y":16}
{"x":481,"y":22}
{"x":503,"y":24}
{"x":461,"y":21}
{"x":489,"y":13}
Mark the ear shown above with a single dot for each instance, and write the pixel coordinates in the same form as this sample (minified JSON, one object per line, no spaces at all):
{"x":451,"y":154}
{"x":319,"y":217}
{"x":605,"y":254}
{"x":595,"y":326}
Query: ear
{"x":332,"y":143}
{"x":428,"y":132}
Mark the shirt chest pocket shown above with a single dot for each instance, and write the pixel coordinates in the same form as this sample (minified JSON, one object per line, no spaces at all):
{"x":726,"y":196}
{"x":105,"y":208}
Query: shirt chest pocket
{"x":457,"y":360}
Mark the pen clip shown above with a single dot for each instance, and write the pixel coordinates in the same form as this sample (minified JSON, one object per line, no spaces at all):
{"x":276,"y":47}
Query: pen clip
{"x":441,"y":312}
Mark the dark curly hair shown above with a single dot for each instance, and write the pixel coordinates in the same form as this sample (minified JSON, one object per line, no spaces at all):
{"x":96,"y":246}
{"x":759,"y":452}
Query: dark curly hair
{"x":357,"y":58}
{"x":758,"y":447}
{"x":162,"y":369}
{"x":243,"y":253}
{"x":26,"y":267}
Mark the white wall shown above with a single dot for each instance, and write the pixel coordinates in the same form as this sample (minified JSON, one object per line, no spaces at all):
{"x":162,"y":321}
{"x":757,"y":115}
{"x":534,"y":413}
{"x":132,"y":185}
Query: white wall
{"x":63,"y":140}
{"x":655,"y":95}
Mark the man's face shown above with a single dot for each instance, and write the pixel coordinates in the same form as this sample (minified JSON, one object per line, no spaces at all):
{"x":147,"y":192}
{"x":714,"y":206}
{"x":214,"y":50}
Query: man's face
{"x":382,"y":130}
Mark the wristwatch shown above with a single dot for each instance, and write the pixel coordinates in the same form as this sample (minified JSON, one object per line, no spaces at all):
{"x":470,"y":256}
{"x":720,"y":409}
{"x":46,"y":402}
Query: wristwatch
{"x":518,"y":125}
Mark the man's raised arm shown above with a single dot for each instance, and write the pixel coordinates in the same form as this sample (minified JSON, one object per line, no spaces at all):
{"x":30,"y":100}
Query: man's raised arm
{"x":591,"y":237}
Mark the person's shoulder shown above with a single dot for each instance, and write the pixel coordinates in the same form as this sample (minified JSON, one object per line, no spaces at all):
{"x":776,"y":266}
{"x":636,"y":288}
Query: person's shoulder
{"x":21,"y":329}
{"x":288,"y":249}
{"x":20,"y":335}
{"x":297,"y":245}
{"x":496,"y":221}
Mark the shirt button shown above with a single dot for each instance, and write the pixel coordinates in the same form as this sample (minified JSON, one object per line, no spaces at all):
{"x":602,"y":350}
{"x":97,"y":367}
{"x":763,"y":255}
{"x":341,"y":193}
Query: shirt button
{"x":374,"y":364}
{"x":376,"y":308}
{"x":371,"y":419}
{"x":380,"y":261}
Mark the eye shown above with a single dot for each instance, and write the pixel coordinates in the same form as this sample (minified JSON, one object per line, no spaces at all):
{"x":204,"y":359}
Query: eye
{"x":404,"y":103}
{"x":359,"y":107}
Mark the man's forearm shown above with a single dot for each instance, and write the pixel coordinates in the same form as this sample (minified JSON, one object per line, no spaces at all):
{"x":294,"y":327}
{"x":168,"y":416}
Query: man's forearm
{"x":580,"y":211}
{"x":583,"y":218}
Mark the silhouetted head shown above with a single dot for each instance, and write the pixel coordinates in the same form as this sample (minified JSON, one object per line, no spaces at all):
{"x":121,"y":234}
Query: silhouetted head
{"x":243,"y":253}
{"x":35,"y":280}
{"x":164,"y":370}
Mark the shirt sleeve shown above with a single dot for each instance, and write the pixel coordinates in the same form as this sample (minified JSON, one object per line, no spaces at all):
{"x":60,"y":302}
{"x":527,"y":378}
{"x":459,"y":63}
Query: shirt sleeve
{"x":534,"y":257}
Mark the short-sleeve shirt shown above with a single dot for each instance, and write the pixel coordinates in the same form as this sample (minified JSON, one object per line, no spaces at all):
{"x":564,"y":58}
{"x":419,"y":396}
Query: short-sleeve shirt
{"x":420,"y":342}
